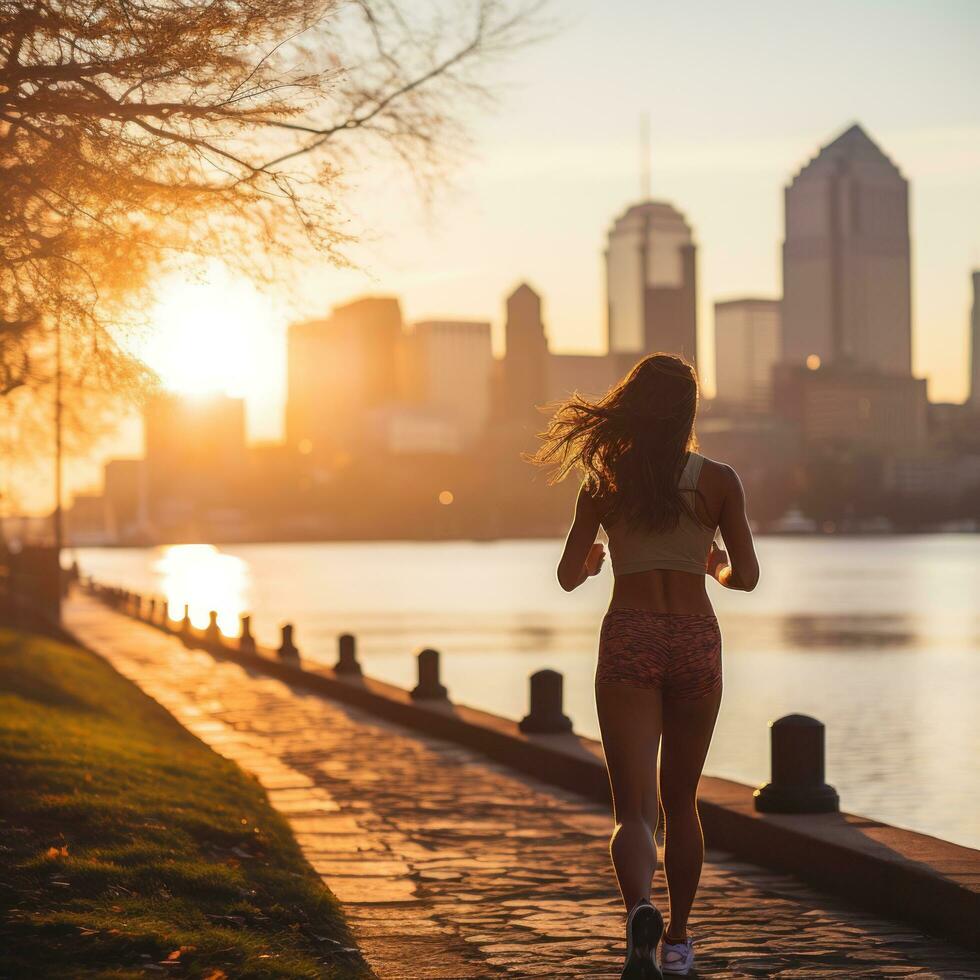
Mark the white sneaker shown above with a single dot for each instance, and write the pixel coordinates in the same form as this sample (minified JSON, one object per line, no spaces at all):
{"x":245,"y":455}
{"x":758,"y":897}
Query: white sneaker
{"x":677,"y":959}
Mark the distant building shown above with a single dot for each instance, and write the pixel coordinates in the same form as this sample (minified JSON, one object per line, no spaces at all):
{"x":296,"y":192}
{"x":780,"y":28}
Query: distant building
{"x":847,"y":407}
{"x":85,"y":520}
{"x":974,"y":399}
{"x":651,"y":283}
{"x":339,"y":368}
{"x":936,"y":475}
{"x":525,"y":366}
{"x":846,"y":260}
{"x":747,"y":347}
{"x":195,"y":457}
{"x":591,"y":375}
{"x":450,"y":365}
{"x":124,"y":494}
{"x":415,"y":430}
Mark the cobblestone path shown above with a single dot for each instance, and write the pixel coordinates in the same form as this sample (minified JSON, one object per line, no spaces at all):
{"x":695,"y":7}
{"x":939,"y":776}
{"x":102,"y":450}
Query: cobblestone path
{"x":451,"y":866}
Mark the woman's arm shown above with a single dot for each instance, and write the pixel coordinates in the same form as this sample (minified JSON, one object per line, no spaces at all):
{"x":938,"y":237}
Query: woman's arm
{"x":738,"y":568}
{"x":583,"y":555}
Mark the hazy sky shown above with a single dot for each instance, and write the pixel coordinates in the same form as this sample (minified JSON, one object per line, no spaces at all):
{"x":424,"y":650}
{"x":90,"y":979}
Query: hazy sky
{"x":739,"y":96}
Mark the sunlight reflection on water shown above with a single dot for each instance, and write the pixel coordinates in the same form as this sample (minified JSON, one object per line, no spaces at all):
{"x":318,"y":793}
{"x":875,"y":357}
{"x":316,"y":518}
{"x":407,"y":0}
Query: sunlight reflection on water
{"x":205,"y":579}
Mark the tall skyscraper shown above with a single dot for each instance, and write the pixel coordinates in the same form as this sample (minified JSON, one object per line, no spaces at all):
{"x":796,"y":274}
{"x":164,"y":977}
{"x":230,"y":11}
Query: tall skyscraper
{"x":974,"y":400}
{"x":526,"y":355}
{"x":651,"y":283}
{"x":747,"y":347}
{"x":846,"y":264}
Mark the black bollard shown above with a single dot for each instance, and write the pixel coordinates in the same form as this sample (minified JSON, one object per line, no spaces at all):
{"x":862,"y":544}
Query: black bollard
{"x":185,"y":624}
{"x":151,"y":611}
{"x":346,"y":655}
{"x":212,"y":634}
{"x":165,"y":617}
{"x":246,"y":642}
{"x":546,"y":715}
{"x":429,"y":688}
{"x":136,"y":609}
{"x":797,"y":784}
{"x":287,"y":649}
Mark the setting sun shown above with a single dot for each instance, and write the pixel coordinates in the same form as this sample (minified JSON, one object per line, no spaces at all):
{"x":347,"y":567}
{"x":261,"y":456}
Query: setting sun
{"x":213,"y":334}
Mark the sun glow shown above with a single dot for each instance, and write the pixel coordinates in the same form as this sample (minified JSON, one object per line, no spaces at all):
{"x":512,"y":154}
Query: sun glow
{"x":204,"y":578}
{"x":214,"y":333}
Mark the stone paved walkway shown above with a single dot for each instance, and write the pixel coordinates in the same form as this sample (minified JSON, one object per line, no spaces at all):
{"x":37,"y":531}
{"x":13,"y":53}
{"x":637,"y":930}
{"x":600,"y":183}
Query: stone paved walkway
{"x":450,"y":866}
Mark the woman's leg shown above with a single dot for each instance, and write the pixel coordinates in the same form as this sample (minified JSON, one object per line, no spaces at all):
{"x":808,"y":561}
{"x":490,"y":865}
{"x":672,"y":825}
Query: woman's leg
{"x":687,"y":729}
{"x":630,"y":722}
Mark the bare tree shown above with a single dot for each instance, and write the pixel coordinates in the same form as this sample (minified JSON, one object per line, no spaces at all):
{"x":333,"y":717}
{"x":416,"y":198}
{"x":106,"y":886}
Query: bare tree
{"x":134,"y":131}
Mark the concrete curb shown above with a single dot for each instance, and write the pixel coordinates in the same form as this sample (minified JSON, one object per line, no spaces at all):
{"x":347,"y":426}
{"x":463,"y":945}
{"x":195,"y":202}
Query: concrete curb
{"x":898,"y":873}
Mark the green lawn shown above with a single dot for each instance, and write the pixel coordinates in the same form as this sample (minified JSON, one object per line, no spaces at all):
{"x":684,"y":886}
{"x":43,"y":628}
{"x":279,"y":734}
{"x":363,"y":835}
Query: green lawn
{"x":128,"y":848}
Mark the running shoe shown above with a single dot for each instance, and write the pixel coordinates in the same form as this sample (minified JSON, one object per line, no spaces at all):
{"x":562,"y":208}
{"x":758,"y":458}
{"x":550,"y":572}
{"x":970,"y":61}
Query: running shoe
{"x":677,"y":959}
{"x":644,"y":927}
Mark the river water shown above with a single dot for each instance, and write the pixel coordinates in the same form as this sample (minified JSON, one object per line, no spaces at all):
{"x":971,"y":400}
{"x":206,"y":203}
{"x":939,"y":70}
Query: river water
{"x":878,"y":637}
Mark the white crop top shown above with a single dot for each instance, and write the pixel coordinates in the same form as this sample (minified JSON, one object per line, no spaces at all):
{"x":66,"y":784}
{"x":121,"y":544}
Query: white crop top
{"x":684,"y":548}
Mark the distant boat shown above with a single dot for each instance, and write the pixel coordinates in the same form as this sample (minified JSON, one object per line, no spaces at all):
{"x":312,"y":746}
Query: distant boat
{"x":875,"y":525}
{"x":965,"y":525}
{"x":793,"y":522}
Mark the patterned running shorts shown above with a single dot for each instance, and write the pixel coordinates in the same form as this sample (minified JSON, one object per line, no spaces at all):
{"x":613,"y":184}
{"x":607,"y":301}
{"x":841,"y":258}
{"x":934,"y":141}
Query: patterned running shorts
{"x":679,"y":654}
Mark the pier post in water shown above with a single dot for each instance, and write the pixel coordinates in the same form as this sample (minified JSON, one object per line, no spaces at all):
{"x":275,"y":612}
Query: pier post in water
{"x":287,"y":649}
{"x":246,"y":642}
{"x":546,"y":716}
{"x":429,"y":687}
{"x":797,"y":784}
{"x":347,"y":655}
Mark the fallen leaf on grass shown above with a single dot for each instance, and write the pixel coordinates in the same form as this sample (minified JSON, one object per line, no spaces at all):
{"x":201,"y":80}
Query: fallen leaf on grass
{"x":54,"y":852}
{"x":215,"y":974}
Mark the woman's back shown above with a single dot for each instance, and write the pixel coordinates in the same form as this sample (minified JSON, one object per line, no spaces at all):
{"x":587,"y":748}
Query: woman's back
{"x":665,"y":571}
{"x":684,"y":547}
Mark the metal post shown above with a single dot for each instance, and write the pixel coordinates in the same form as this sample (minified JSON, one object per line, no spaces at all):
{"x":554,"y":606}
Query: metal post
{"x":58,"y":526}
{"x":797,"y":784}
{"x":429,"y":686}
{"x":347,"y":655}
{"x":546,"y":715}
{"x":212,"y":635}
{"x":287,"y":649}
{"x":246,"y":642}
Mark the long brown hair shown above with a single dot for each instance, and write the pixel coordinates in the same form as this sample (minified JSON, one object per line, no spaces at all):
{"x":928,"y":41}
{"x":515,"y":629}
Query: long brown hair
{"x":631,"y":445}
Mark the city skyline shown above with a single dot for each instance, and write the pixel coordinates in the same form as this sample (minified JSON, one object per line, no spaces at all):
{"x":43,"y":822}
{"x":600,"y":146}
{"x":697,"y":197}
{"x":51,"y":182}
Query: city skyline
{"x":939,"y":349}
{"x":534,"y":198}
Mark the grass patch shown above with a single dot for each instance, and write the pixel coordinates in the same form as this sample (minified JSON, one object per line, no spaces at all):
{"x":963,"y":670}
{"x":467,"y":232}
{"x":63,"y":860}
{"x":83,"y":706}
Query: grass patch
{"x":129,"y":849}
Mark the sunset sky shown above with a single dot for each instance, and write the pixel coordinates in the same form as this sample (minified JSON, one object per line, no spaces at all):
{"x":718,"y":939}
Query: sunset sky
{"x":739,"y":97}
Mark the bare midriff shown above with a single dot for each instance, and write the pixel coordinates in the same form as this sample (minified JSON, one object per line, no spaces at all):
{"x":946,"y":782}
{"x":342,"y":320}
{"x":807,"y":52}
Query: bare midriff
{"x":662,"y":590}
